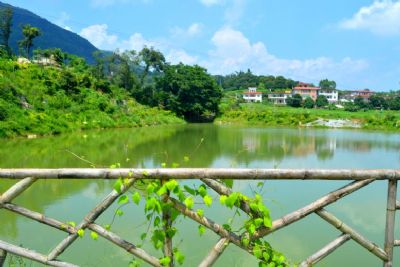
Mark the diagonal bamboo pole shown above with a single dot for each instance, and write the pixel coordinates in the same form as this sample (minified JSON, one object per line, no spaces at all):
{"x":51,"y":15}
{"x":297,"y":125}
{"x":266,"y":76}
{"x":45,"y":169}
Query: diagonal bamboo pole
{"x":39,"y":217}
{"x":325,"y":251}
{"x":210,"y":224}
{"x":32,"y":255}
{"x":215,"y":253}
{"x":198,"y":173}
{"x":129,"y":247}
{"x":312,"y":207}
{"x":397,"y":243}
{"x":16,"y":189}
{"x":344,"y":228}
{"x":398,"y":205}
{"x":390,"y":222}
{"x":90,"y":218}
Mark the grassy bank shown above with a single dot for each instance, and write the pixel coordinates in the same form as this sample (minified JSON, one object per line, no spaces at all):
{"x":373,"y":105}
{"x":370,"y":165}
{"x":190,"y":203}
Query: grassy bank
{"x":268,"y":115}
{"x":50,"y":100}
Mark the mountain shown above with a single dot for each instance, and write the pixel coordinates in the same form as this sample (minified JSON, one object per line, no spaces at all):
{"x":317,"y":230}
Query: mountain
{"x":52,"y":35}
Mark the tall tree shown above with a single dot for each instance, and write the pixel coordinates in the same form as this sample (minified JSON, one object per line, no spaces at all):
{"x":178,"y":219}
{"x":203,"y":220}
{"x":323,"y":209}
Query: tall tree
{"x":152,"y":60}
{"x":30,"y":33}
{"x":327,"y":84}
{"x":190,"y":92}
{"x":6,"y":15}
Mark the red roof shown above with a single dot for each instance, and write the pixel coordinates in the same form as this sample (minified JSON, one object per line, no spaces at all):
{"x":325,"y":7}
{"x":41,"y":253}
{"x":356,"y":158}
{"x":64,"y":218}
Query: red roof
{"x":252,"y":93}
{"x":306,"y":88}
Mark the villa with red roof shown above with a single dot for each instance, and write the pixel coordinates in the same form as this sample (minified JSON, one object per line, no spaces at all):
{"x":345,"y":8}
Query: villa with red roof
{"x":306,"y":90}
{"x":251,"y":95}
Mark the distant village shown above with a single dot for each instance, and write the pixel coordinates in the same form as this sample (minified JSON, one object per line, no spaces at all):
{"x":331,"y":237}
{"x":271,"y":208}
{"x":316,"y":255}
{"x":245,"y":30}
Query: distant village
{"x":306,"y":90}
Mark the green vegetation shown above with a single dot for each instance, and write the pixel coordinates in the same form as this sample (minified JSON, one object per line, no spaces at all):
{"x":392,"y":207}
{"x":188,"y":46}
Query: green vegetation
{"x":256,"y":114}
{"x":48,"y":100}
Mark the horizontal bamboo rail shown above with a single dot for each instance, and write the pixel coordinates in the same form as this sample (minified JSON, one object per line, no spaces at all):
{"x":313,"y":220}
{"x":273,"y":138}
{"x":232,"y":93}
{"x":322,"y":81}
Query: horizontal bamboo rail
{"x":211,"y":178}
{"x":199,"y":173}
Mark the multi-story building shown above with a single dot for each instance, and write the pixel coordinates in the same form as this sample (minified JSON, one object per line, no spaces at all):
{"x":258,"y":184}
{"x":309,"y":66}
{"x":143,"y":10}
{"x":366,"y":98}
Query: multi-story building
{"x":306,"y":90}
{"x":251,"y":95}
{"x":331,"y":94}
{"x":279,"y":98}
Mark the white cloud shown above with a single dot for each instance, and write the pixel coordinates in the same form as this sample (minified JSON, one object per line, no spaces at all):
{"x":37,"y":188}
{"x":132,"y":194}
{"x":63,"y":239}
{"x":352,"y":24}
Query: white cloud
{"x":381,"y":18}
{"x":176,"y":56}
{"x":234,"y":11}
{"x":233,"y":52}
{"x":98,"y":35}
{"x":136,"y":42}
{"x":193,"y":30}
{"x":212,"y":2}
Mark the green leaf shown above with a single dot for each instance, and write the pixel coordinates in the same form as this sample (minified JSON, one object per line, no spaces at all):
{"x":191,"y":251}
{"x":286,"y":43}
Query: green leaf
{"x":162,"y":190}
{"x":189,"y":202}
{"x":189,"y":190}
{"x":171,"y":185}
{"x":245,"y":241}
{"x":228,"y":182}
{"x":163,"y":165}
{"x":202,"y":191}
{"x":157,"y":221}
{"x":266,"y":256}
{"x":73,"y":224}
{"x":200,"y":212}
{"x":222,"y":199}
{"x":123,"y":200}
{"x":251,"y":229}
{"x":180,"y":258}
{"x":258,"y":222}
{"x":231,"y":200}
{"x":208,"y":200}
{"x":150,"y":188}
{"x":202,"y":229}
{"x":260,"y":184}
{"x":134,"y":263}
{"x":119,"y":212}
{"x":118,"y":185}
{"x":143,"y":236}
{"x":257,"y":251}
{"x":175,"y":165}
{"x":107,"y":227}
{"x":81,"y":233}
{"x":136,"y":198}
{"x":267,"y":222}
{"x":94,"y":235}
{"x":165,"y":261}
{"x":186,"y":159}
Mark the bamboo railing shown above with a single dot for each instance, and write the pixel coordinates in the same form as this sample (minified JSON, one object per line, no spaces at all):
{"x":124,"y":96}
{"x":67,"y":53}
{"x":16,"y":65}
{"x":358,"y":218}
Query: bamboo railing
{"x":211,"y":178}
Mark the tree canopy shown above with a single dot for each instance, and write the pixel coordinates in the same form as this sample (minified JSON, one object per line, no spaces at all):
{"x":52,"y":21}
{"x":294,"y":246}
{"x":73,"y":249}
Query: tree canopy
{"x":30,"y":33}
{"x":6,"y":15}
{"x":327,"y":84}
{"x":189,"y":91}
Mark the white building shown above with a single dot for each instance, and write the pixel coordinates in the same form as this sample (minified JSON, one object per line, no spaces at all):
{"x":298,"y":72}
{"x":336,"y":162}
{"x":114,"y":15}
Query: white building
{"x":279,"y":98}
{"x":252,"y":95}
{"x":330,"y":94}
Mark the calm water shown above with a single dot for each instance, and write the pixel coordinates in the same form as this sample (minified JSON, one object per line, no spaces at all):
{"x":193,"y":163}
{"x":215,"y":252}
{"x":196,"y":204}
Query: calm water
{"x":207,"y":146}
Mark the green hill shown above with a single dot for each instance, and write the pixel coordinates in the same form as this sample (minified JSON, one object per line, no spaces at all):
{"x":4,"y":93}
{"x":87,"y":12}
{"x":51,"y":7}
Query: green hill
{"x":52,"y":36}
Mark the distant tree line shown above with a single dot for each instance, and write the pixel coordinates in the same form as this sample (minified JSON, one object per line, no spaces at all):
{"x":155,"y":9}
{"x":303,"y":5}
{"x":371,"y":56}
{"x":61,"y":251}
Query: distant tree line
{"x":243,"y":80}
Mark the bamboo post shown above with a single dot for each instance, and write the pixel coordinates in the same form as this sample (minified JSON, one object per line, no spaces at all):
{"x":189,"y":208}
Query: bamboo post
{"x":215,"y":253}
{"x":312,"y":207}
{"x":90,"y":218}
{"x":398,"y":205}
{"x":344,"y":228}
{"x":390,"y":222}
{"x":33,"y":255}
{"x":17,"y":189}
{"x":3,"y":256}
{"x":325,"y":251}
{"x":397,"y":243}
{"x":129,"y":247}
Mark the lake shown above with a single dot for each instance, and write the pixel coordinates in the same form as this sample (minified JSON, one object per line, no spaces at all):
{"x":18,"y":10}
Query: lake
{"x":207,"y":146}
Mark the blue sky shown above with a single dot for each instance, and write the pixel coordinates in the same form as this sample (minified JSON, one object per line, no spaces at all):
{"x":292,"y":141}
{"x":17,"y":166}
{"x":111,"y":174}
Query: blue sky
{"x":356,"y":43}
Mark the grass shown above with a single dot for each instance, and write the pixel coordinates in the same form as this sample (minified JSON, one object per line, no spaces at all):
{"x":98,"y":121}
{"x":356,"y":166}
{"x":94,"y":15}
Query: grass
{"x":269,"y":115}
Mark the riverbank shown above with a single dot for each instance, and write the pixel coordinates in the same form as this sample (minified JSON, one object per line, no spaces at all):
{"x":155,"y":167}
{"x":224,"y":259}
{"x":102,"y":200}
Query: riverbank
{"x":268,"y":115}
{"x":37,"y":100}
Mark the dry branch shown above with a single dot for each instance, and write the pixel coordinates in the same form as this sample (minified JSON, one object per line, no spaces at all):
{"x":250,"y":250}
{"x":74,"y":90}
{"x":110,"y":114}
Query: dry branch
{"x":17,"y":189}
{"x":390,"y":221}
{"x":373,"y":248}
{"x":129,"y":247}
{"x":325,"y":251}
{"x":32,"y":255}
{"x":312,"y":207}
{"x":199,"y":173}
{"x":90,"y":218}
{"x":215,"y":253}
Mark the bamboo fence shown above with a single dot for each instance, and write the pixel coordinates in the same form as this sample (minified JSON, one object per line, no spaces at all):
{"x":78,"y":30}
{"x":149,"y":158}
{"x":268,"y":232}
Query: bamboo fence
{"x":211,"y":178}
